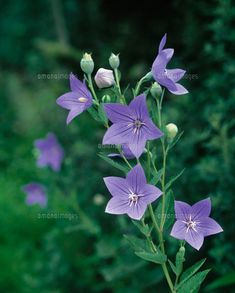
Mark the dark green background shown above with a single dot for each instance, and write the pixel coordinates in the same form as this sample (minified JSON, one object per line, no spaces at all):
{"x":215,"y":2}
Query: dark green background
{"x":89,"y":254}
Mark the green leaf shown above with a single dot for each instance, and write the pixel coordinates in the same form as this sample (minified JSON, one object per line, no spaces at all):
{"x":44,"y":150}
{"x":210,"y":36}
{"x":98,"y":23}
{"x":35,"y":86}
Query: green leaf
{"x":156,"y":177}
{"x":138,"y":244}
{"x":143,"y":229}
{"x":192,"y":285}
{"x":157,"y":257}
{"x":102,"y":114}
{"x":172,"y":180}
{"x":94,"y":114}
{"x":174,"y":142}
{"x":169,"y":209}
{"x":113,"y":163}
{"x":226,"y":280}
{"x":190,"y":272}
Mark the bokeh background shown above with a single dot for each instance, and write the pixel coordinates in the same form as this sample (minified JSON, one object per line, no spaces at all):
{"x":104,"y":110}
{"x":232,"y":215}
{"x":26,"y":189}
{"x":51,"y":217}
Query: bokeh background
{"x":86,"y":252}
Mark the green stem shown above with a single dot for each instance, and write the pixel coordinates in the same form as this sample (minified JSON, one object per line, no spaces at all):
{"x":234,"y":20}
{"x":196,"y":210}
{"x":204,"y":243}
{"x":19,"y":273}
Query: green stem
{"x":90,"y":83}
{"x":148,"y":161}
{"x":122,"y":98}
{"x":137,"y":89}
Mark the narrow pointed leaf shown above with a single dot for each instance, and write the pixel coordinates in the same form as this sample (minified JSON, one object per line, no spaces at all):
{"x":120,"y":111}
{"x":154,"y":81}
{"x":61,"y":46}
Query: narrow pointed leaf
{"x":158,"y":257}
{"x":113,"y":163}
{"x":168,"y":185}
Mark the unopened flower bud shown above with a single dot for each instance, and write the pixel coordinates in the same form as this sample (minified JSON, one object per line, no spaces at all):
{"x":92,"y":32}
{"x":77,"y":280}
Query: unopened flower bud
{"x":104,"y":78}
{"x":87,"y":63}
{"x":98,"y":199}
{"x":106,"y":99}
{"x":172,"y":130}
{"x":156,"y":90}
{"x":114,"y":61}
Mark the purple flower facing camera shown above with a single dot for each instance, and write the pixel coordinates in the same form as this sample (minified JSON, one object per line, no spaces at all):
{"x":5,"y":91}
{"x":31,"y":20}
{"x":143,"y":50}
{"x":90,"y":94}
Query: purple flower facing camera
{"x":36,"y":194}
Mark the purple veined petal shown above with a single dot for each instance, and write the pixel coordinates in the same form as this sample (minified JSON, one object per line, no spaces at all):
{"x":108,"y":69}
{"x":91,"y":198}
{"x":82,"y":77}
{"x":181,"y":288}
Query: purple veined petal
{"x":162,"y":43}
{"x":175,"y":74}
{"x":150,"y":129}
{"x":139,"y":107}
{"x":150,"y":193}
{"x":118,"y":113}
{"x":159,"y":66}
{"x":78,"y":86}
{"x":137,"y":211}
{"x":194,"y":238}
{"x":182,"y":210}
{"x":179,"y":230}
{"x":207,"y":226}
{"x":117,"y":186}
{"x":180,"y":90}
{"x":201,"y":209}
{"x":118,"y":133}
{"x":168,"y":53}
{"x":117,"y":206}
{"x":68,"y":100}
{"x":75,"y":112}
{"x":136,"y":178}
{"x":137,"y":144}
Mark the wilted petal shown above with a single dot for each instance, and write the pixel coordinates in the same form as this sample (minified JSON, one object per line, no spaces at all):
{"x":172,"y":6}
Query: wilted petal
{"x":118,"y":133}
{"x":74,"y":112}
{"x":151,"y":130}
{"x":117,"y":186}
{"x":117,"y":206}
{"x":136,"y":178}
{"x":194,"y":238}
{"x":139,"y":107}
{"x":201,"y":209}
{"x":179,"y":90}
{"x":179,"y":230}
{"x":118,"y":113}
{"x":150,"y":193}
{"x":137,"y":211}
{"x":162,"y":43}
{"x":182,"y":210}
{"x":208,"y":226}
{"x":175,"y":74}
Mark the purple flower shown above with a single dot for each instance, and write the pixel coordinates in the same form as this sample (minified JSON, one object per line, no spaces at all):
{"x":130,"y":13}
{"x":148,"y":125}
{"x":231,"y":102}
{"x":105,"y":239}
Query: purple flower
{"x":36,"y":194}
{"x":131,"y":195}
{"x":77,"y":100}
{"x":167,"y":77}
{"x":193,"y":222}
{"x":131,"y":125}
{"x":50,"y":152}
{"x":127,"y":153}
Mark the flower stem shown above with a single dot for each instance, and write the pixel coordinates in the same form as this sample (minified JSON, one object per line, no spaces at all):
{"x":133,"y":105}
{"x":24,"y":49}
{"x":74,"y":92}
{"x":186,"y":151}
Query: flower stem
{"x":122,"y":98}
{"x":90,"y":83}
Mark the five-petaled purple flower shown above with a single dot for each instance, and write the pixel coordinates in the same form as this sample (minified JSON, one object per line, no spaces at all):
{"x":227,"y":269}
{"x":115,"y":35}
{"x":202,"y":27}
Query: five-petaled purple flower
{"x":77,"y":100}
{"x":193,"y":222}
{"x":50,"y":152}
{"x":131,"y":125}
{"x":131,"y":195}
{"x":167,"y":77}
{"x":36,"y":194}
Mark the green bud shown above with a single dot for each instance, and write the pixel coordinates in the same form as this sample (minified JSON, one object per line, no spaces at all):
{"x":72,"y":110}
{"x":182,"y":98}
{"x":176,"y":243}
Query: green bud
{"x":106,"y":99}
{"x":114,"y":61}
{"x":172,"y":130}
{"x":156,"y":90}
{"x":87,"y":63}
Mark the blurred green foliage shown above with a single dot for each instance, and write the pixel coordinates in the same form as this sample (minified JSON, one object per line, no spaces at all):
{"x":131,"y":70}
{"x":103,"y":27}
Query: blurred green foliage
{"x":88,"y":253}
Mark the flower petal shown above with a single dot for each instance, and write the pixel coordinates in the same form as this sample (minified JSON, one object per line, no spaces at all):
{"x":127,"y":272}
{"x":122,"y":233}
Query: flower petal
{"x":68,"y":100}
{"x":117,"y":186}
{"x":182,"y":210}
{"x":175,"y":74}
{"x":168,"y":53}
{"x":139,"y":107}
{"x":179,"y":230}
{"x":75,"y":112}
{"x":117,"y":206}
{"x":137,"y":211}
{"x":118,"y":133}
{"x":208,"y":226}
{"x":136,"y":178}
{"x":150,"y":130}
{"x":162,"y":43}
{"x":150,"y":193}
{"x":118,"y":113}
{"x":194,"y":238}
{"x":179,"y":90}
{"x":201,"y":209}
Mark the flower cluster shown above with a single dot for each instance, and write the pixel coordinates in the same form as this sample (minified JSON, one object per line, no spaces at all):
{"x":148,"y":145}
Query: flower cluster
{"x":133,"y":128}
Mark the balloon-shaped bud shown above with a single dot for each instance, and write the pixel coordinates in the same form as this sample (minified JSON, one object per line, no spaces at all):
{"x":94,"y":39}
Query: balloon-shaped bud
{"x":172,"y":130}
{"x":104,"y":78}
{"x":114,"y":61}
{"x":87,"y":63}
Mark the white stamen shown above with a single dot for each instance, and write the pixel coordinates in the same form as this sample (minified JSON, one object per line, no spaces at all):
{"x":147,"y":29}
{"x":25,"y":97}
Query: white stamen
{"x":82,"y":99}
{"x":133,"y":198}
{"x":191,"y":224}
